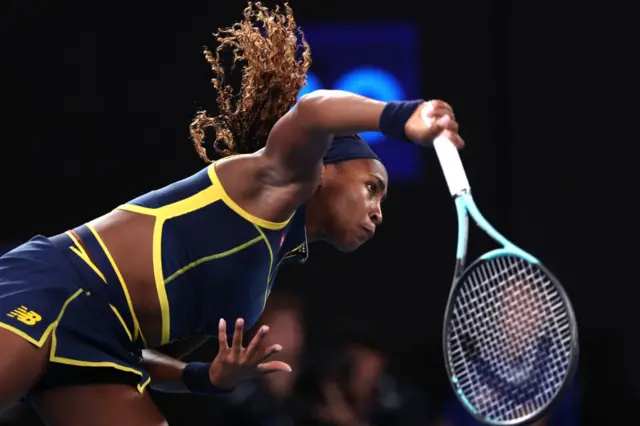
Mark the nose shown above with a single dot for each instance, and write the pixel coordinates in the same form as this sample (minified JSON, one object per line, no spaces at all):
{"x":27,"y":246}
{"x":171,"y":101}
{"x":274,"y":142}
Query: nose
{"x":376,"y":215}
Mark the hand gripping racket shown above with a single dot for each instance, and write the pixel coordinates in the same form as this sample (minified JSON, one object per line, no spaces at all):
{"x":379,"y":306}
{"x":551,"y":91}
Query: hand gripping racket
{"x":510,"y":338}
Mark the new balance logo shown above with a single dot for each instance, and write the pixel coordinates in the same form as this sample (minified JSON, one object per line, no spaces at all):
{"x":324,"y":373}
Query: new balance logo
{"x":24,"y":315}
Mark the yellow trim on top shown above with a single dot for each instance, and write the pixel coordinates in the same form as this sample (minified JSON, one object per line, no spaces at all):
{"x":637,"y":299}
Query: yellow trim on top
{"x":289,"y":255}
{"x":136,"y":325}
{"x":239,"y":210}
{"x":266,"y":241}
{"x":197,"y":201}
{"x":68,"y":361}
{"x":158,"y":274}
{"x":80,"y":251}
{"x":212,"y":257}
{"x":209,"y":195}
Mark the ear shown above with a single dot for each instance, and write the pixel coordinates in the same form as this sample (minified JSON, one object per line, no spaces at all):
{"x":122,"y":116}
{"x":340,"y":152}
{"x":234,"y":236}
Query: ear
{"x":323,"y":174}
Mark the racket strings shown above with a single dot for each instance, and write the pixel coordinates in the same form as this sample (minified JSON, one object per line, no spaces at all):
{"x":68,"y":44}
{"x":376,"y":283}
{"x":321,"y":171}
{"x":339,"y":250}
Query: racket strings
{"x":509,"y":339}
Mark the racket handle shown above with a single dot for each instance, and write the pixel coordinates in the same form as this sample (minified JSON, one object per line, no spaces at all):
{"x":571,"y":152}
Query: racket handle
{"x":451,"y":164}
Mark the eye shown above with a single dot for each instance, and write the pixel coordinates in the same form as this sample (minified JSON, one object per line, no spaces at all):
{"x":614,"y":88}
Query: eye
{"x":372,"y":187}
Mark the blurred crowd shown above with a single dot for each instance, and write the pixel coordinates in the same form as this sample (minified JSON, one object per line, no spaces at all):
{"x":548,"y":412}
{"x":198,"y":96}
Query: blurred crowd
{"x":349,"y":383}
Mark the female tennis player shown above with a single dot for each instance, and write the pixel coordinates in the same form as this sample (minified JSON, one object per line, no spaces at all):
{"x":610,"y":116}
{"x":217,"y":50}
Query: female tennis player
{"x":88,"y":318}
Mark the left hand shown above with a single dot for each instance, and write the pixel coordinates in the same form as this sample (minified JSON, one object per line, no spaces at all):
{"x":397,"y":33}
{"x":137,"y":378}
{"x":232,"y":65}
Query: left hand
{"x":236,"y":363}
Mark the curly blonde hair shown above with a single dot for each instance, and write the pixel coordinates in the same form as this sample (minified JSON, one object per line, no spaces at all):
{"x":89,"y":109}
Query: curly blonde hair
{"x":267,"y":45}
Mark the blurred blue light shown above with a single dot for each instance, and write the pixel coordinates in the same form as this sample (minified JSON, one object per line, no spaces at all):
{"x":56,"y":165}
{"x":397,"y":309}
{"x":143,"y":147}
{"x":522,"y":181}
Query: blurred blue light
{"x":379,"y":61}
{"x":373,"y":82}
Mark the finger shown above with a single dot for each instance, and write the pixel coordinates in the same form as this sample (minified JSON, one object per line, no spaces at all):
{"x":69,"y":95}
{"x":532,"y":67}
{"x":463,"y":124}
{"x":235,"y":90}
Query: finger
{"x":236,"y":344}
{"x":442,"y":124}
{"x":255,"y":343}
{"x":222,"y":335}
{"x":271,"y":350}
{"x":438,"y":112}
{"x":448,"y":123}
{"x":454,"y":138}
{"x":273,"y":367}
{"x":438,"y":105}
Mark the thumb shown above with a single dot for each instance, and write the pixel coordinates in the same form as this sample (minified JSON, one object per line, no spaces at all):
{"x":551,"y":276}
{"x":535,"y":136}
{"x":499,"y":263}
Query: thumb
{"x":273,"y":366}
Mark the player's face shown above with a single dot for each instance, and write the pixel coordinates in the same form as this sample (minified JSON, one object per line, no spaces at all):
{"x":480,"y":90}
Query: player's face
{"x":353,"y":193}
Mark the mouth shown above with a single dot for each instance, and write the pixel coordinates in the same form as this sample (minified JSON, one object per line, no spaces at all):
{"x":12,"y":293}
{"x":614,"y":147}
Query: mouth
{"x":369,"y":231}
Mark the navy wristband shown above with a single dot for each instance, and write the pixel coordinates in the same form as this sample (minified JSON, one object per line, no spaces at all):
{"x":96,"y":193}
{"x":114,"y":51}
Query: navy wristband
{"x":395,"y":115}
{"x":195,"y":377}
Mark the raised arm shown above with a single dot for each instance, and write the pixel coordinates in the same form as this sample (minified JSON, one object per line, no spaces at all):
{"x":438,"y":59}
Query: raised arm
{"x":261,"y":114}
{"x":300,"y":139}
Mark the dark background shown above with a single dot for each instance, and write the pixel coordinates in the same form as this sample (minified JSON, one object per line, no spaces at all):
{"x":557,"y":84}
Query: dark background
{"x":97,"y":98}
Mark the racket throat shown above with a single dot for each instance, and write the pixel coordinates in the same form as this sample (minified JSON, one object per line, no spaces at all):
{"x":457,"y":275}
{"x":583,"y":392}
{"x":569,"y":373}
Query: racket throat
{"x":461,"y":192}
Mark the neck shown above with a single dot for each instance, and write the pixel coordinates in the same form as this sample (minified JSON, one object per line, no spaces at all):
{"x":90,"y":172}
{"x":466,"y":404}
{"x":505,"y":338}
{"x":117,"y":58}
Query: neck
{"x":313,"y":224}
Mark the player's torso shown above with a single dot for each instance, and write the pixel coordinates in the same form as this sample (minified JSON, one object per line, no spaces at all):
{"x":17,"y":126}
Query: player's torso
{"x":211,"y":258}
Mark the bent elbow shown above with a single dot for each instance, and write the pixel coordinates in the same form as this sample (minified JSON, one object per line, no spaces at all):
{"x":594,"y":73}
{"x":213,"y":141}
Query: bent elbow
{"x":309,"y":108}
{"x":308,"y":103}
{"x":315,"y":96}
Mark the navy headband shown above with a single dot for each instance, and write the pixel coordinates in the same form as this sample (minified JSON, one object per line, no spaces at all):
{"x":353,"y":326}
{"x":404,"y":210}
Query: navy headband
{"x":349,"y":148}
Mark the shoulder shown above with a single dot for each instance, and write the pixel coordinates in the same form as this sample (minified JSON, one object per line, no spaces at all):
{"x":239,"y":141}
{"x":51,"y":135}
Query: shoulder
{"x":246,"y":172}
{"x":261,"y":172}
{"x":254,"y":182}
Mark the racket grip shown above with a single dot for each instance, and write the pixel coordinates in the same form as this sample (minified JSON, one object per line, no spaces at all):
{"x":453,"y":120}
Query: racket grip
{"x":451,"y":165}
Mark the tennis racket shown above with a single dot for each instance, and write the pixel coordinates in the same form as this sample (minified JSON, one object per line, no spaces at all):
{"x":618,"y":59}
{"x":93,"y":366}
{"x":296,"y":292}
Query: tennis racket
{"x":510,"y":338}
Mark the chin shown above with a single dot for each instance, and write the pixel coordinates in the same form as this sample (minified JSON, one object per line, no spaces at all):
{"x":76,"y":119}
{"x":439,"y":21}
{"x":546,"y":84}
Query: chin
{"x":348,"y":246}
{"x":347,"y":249}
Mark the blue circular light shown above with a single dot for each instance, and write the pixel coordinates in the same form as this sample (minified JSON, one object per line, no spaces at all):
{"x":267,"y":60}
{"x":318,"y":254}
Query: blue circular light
{"x":375,"y":83}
